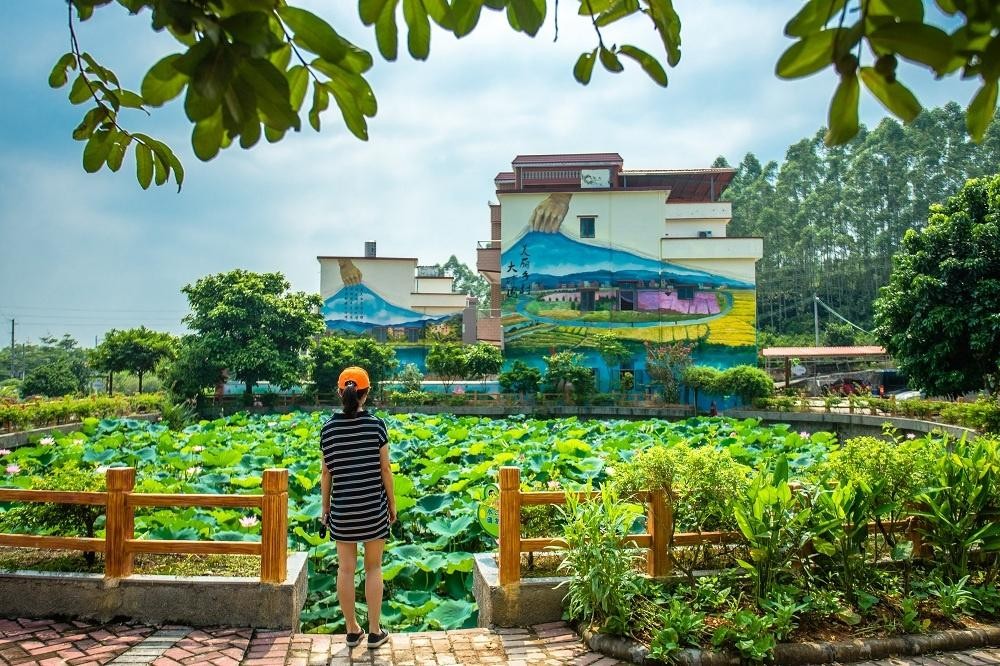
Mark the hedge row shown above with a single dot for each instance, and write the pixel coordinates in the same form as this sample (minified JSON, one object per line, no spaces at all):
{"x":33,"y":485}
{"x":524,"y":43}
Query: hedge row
{"x":982,"y":415}
{"x":22,"y":416}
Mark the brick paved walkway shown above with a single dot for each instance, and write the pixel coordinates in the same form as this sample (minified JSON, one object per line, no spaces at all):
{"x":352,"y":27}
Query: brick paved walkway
{"x":51,"y":643}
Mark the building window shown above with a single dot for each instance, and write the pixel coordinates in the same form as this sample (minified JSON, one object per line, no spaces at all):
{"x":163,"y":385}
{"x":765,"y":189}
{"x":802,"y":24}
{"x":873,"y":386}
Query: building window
{"x":685,"y":293}
{"x":412,"y":334}
{"x":587,"y":300}
{"x":587,"y":227}
{"x":380,"y":334}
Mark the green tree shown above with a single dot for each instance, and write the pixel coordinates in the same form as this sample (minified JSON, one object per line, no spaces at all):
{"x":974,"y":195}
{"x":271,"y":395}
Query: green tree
{"x":193,"y":368}
{"x":135,"y":350}
{"x":665,"y":363}
{"x":332,"y":353}
{"x":700,"y":378}
{"x":745,"y":381}
{"x":483,"y":359}
{"x":467,"y":281}
{"x":612,"y":350}
{"x":246,"y":68}
{"x":521,"y":378}
{"x":253,"y":326}
{"x":52,"y":380}
{"x":565,"y":371}
{"x":448,"y":361}
{"x":939,"y":316}
{"x":52,"y":350}
{"x":411,"y":378}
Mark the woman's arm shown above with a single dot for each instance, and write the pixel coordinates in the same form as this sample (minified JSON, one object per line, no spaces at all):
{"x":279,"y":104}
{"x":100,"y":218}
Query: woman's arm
{"x":325,"y":486}
{"x":387,"y":481}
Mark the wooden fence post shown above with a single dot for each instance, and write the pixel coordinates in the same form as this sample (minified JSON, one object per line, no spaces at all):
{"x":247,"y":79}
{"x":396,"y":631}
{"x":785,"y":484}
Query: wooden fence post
{"x":120,"y":524}
{"x":510,"y":525}
{"x":274,"y":527}
{"x":660,"y":518}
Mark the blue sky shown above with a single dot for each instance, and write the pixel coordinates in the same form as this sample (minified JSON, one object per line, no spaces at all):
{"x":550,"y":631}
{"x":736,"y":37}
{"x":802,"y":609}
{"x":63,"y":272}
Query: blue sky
{"x":83,"y":253}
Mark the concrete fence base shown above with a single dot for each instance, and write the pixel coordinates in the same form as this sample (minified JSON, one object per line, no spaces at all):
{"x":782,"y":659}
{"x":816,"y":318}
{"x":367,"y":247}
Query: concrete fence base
{"x":196,"y":601}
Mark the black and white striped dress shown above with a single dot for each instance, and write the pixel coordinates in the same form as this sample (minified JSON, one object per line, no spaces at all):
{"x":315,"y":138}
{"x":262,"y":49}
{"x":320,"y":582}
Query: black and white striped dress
{"x":359,"y":507}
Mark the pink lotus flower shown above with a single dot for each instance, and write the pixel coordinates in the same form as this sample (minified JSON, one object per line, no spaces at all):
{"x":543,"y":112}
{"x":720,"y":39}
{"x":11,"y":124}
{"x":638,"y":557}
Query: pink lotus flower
{"x":804,"y":434}
{"x":248,"y":521}
{"x":5,"y":452}
{"x":13,"y":469}
{"x":458,"y":390}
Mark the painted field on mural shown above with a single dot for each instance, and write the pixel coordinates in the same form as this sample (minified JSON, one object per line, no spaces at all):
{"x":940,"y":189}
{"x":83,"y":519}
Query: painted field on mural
{"x":734,"y":326}
{"x":446,"y":470}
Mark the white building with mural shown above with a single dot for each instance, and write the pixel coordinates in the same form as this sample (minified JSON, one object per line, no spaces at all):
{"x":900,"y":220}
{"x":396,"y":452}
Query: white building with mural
{"x":393,"y":299}
{"x":581,"y":246}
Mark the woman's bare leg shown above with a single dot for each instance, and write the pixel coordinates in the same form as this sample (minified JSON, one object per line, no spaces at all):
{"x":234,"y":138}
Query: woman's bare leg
{"x":347,"y":564}
{"x":373,"y":583}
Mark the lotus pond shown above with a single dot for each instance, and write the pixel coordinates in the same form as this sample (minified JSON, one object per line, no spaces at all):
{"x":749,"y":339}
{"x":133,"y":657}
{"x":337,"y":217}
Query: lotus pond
{"x":446,"y":470}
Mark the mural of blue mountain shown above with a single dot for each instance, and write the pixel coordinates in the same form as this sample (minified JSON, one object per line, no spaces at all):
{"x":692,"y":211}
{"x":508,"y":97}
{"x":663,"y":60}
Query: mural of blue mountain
{"x":555,"y":259}
{"x":357,"y":308}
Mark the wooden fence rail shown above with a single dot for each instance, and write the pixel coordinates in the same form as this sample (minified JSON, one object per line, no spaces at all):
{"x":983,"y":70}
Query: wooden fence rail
{"x":119,"y":543}
{"x":659,"y":519}
{"x":659,"y":540}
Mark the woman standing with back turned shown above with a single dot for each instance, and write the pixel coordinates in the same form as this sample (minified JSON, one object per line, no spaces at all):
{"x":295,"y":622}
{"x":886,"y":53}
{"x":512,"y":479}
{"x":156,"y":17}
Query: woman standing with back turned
{"x":356,"y":473}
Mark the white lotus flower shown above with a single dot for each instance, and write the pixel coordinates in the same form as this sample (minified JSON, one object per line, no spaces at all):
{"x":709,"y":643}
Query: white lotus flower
{"x":47,"y":441}
{"x":248,"y":521}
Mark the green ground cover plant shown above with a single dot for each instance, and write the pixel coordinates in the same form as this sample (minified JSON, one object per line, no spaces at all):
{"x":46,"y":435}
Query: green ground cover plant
{"x":806,"y":565}
{"x":447,"y":467}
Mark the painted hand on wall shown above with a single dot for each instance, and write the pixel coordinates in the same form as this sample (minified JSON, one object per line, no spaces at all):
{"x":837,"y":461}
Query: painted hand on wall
{"x":349,"y":273}
{"x":549,"y":214}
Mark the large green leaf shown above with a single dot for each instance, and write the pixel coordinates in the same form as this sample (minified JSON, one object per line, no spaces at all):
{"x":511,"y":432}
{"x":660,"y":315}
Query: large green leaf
{"x":843,"y":119}
{"x":809,"y":55}
{"x":982,"y":110}
{"x":314,"y":34}
{"x":452,"y":614}
{"x":894,"y":96}
{"x":915,"y":41}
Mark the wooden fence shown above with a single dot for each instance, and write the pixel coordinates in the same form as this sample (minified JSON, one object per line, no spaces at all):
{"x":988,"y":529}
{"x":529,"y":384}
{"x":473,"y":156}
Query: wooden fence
{"x":659,"y":520}
{"x":119,"y":544}
{"x":659,"y":540}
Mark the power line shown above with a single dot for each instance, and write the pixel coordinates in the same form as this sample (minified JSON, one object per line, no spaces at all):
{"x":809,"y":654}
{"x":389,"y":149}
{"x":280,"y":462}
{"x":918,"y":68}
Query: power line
{"x":71,"y":309}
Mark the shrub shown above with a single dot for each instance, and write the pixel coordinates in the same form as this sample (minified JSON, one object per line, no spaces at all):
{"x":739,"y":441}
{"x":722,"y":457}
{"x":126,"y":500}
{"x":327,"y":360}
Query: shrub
{"x":745,"y":381}
{"x":411,"y":378}
{"x":51,"y":380}
{"x":894,"y":470}
{"x":521,"y":378}
{"x":331,"y":354}
{"x":566,"y":369}
{"x":603,"y":578}
{"x":482,"y":359}
{"x":447,"y":361}
{"x":58,"y":519}
{"x":700,"y":378}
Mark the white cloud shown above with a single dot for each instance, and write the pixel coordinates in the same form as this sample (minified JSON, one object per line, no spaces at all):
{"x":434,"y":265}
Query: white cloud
{"x":419,"y":187}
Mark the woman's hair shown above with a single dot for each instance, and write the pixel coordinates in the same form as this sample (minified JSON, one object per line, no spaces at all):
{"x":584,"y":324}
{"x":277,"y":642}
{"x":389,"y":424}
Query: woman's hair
{"x":351,"y":398}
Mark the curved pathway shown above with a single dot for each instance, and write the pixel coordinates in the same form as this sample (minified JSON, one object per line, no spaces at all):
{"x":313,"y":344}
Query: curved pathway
{"x":54,"y":643}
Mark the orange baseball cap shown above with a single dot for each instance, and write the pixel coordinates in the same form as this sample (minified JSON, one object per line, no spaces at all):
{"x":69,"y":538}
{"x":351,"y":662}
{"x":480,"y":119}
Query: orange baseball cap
{"x":356,"y":375}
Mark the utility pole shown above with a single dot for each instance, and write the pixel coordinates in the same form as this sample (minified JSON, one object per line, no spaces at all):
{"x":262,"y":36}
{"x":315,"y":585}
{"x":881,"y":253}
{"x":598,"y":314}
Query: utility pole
{"x":12,"y":347}
{"x":816,"y":317}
